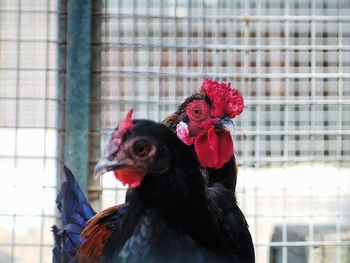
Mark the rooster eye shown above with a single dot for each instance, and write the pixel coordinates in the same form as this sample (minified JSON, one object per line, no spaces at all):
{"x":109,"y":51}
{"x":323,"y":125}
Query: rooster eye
{"x":142,"y":148}
{"x":196,"y":112}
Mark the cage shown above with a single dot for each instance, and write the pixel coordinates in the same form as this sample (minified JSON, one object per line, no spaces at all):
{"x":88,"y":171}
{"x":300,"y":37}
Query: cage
{"x":290,"y":59}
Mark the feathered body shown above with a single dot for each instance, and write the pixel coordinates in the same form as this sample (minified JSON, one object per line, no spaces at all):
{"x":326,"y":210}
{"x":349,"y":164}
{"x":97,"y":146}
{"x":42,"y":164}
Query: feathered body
{"x":168,"y":218}
{"x":99,"y":231}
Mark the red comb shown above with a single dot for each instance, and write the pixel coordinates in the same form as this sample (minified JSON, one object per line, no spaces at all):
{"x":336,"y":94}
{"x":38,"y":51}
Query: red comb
{"x":125,"y":126}
{"x":226,"y":101}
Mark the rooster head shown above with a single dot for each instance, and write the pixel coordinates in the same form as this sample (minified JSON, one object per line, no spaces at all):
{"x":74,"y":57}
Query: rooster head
{"x":199,"y":121}
{"x":135,"y":150}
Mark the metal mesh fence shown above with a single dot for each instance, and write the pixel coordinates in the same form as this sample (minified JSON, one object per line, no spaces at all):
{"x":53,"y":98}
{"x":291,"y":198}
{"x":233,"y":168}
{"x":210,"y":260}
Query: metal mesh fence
{"x":290,"y":59}
{"x":28,"y":129}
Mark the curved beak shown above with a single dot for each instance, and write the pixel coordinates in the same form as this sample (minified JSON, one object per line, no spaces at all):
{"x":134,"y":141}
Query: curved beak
{"x":226,"y":121}
{"x":221,"y":125}
{"x":104,"y":165}
{"x":127,"y":174}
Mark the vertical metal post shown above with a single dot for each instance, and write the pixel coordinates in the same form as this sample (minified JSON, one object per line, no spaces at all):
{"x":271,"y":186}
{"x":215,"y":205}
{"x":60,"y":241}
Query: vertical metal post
{"x":61,"y":82}
{"x":94,"y":189}
{"x":76,"y":149}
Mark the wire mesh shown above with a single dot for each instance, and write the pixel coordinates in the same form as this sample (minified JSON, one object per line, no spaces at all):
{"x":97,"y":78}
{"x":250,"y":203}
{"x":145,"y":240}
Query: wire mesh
{"x":28,"y":129}
{"x":291,"y":61}
{"x":289,"y":58}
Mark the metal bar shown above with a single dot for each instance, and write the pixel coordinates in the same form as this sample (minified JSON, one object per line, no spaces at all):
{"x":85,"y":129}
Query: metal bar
{"x":256,"y":139}
{"x":340,"y":127}
{"x":281,"y":132}
{"x":28,"y":127}
{"x":29,"y":99}
{"x":61,"y":85}
{"x":312,"y":124}
{"x":46,"y":92}
{"x":340,"y":90}
{"x":25,"y":40}
{"x":188,"y":43}
{"x":304,"y":243}
{"x":28,"y":11}
{"x":114,"y":71}
{"x":7,"y":156}
{"x":148,"y":4}
{"x":252,"y":160}
{"x":134,"y":53}
{"x":258,"y":70}
{"x":311,"y":226}
{"x":112,"y":100}
{"x":223,"y":47}
{"x":25,"y":245}
{"x":98,"y":26}
{"x":284,"y":226}
{"x":293,"y":215}
{"x":76,"y":149}
{"x":15,"y":157}
{"x":246,"y":102}
{"x":217,"y":58}
{"x":26,"y":215}
{"x":28,"y":69}
{"x":13,"y":239}
{"x":202,"y":44}
{"x":255,"y":218}
{"x":175,"y":55}
{"x":255,"y":18}
{"x":286,"y":128}
{"x":159,"y":87}
{"x":338,"y":229}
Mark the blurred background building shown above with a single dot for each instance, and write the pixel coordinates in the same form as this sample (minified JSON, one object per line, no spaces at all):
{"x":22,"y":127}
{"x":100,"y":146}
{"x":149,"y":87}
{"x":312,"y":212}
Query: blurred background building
{"x":289,"y":58}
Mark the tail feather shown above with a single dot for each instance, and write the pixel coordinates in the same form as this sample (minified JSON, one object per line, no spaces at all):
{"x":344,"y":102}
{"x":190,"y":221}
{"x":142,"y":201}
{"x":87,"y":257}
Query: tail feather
{"x":56,"y":251}
{"x":75,"y":212}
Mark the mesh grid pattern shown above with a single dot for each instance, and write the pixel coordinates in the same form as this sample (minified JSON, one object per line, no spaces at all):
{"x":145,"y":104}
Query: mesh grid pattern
{"x":293,"y":70}
{"x":28,"y":129}
{"x":290,"y":59}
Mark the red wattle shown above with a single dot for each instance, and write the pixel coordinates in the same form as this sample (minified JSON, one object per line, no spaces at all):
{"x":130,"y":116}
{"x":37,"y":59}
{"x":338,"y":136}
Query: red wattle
{"x":213,"y":149}
{"x":129,"y":176}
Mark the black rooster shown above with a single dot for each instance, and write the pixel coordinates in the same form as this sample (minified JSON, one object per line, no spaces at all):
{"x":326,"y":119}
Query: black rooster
{"x":168,"y":217}
{"x":199,"y":122}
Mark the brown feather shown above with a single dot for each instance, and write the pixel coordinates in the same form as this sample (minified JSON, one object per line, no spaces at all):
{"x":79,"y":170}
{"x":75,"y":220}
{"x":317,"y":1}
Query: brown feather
{"x":172,"y":120}
{"x":92,"y":249}
{"x":97,"y":234}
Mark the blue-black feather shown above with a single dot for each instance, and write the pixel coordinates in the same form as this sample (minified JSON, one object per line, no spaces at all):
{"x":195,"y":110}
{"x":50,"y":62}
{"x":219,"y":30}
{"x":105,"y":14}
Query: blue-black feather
{"x":75,"y":212}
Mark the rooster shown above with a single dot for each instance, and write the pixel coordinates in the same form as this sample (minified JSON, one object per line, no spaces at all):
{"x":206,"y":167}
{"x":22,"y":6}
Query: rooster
{"x":199,"y":122}
{"x":168,"y":217}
